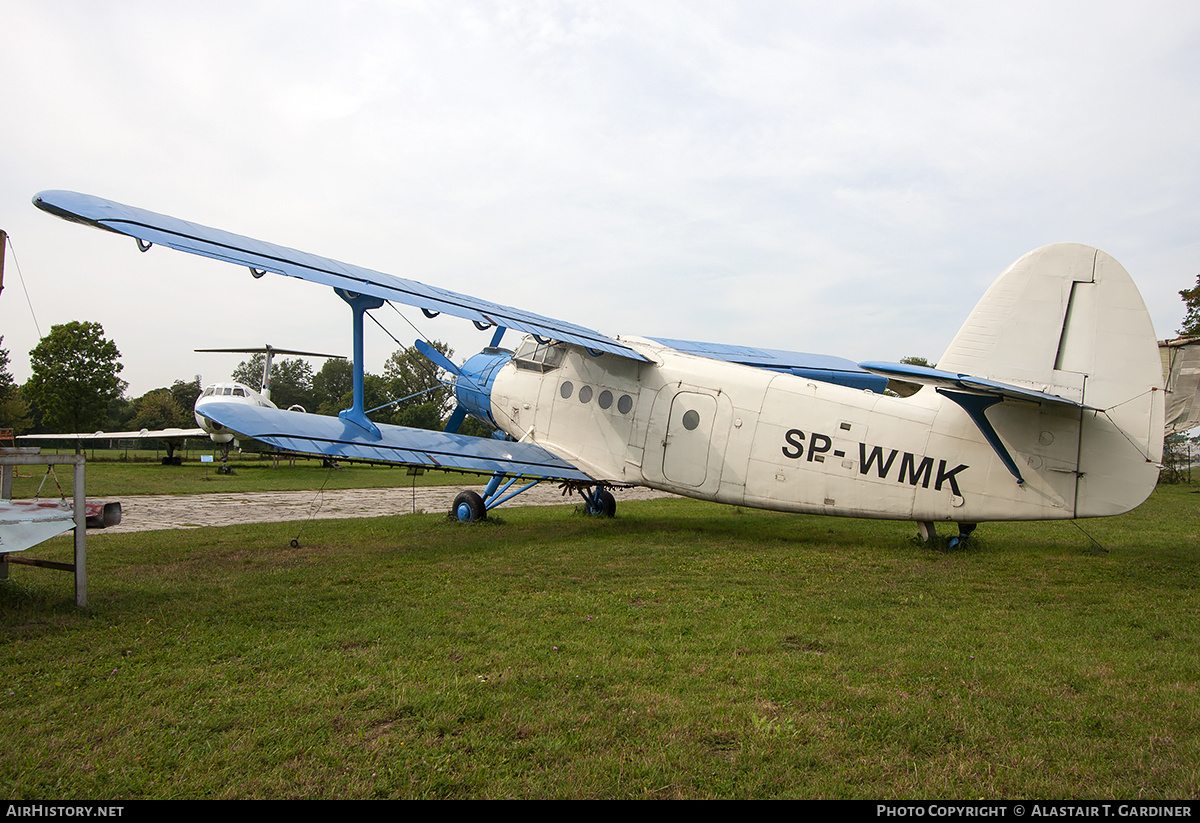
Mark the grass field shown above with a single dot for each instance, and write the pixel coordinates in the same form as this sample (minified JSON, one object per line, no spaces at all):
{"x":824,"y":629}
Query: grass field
{"x":681,"y":650}
{"x":110,"y":478}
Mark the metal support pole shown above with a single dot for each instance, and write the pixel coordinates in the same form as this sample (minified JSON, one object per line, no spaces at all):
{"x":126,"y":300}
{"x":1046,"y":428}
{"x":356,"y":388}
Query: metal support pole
{"x":80,"y":504}
{"x":359,"y":304}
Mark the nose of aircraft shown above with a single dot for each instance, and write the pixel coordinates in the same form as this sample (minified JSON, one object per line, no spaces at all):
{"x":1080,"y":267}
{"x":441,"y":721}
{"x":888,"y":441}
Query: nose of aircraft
{"x":216,"y":431}
{"x":473,"y":384}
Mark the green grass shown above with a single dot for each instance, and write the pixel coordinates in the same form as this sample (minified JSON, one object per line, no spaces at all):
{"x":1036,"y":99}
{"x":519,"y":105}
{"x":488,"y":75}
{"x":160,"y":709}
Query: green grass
{"x":114,"y":479}
{"x":681,"y":650}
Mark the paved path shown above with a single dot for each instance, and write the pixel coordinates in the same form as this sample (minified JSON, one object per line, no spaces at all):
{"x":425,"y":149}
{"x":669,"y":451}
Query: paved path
{"x":191,"y":511}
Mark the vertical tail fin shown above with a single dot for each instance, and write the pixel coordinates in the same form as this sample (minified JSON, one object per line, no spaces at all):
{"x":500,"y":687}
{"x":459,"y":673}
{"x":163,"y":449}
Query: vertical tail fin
{"x":1068,"y":320}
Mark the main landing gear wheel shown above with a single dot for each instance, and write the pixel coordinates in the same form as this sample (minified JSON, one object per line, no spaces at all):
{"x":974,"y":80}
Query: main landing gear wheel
{"x":468,"y":507}
{"x":602,"y":504}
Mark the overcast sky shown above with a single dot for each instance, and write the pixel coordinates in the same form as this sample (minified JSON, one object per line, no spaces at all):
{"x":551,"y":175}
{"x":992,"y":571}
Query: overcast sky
{"x":844,"y":178}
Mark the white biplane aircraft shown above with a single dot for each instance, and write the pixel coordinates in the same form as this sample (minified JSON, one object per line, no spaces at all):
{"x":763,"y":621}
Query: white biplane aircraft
{"x":233,"y":392}
{"x":1047,"y":405}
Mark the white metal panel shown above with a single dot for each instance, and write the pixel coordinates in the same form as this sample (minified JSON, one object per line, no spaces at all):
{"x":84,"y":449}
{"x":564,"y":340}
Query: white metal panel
{"x":689,"y":436}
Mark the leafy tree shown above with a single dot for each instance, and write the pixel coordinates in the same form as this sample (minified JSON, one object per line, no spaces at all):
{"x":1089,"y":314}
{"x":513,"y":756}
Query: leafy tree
{"x":291,"y":383}
{"x":422,"y":416}
{"x":250,"y":372}
{"x":156,"y":409}
{"x":185,"y":394}
{"x":1191,"y":320}
{"x":120,"y":414}
{"x":473,"y":428}
{"x":7,"y":383}
{"x":330,"y":386}
{"x":375,"y":394}
{"x":291,"y":379}
{"x":413,"y":379}
{"x":1178,"y":452}
{"x":14,"y":410}
{"x":74,"y":377}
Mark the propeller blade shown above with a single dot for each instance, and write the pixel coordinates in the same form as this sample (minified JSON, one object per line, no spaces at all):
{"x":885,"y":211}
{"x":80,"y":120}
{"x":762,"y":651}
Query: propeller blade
{"x":437,"y":358}
{"x":456,"y":419}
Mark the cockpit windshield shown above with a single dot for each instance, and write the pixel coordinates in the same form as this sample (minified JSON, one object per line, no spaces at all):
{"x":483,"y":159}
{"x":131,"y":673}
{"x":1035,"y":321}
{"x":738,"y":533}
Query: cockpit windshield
{"x":536,"y":356}
{"x":225,"y":391}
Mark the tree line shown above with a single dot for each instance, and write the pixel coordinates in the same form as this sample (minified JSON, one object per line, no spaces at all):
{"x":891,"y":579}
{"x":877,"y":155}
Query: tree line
{"x":75,"y":386}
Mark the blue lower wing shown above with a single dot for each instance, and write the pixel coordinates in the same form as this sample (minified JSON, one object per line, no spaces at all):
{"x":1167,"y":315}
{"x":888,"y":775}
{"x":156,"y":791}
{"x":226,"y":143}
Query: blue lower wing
{"x":333,"y":437}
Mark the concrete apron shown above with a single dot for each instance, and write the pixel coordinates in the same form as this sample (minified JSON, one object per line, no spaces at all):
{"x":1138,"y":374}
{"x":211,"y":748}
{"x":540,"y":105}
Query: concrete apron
{"x":192,"y":511}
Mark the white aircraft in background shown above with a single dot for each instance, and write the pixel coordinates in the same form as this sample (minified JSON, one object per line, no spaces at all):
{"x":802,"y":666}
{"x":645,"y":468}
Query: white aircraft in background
{"x":1047,"y":405}
{"x":222,"y":393}
{"x":25,"y":523}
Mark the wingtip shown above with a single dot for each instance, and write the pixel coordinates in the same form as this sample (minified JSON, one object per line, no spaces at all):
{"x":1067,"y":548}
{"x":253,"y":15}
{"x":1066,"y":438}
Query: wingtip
{"x":66,"y":205}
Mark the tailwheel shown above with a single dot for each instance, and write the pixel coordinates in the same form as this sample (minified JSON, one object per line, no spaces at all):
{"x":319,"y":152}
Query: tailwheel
{"x":468,"y":507}
{"x":964,"y":531}
{"x":601,"y":504}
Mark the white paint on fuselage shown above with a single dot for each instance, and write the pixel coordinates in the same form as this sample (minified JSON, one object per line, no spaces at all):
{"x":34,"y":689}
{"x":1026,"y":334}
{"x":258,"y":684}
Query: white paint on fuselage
{"x":747,"y":436}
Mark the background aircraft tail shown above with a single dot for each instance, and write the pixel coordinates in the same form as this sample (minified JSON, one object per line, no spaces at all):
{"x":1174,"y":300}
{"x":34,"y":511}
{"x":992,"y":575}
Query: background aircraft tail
{"x":1068,"y":320}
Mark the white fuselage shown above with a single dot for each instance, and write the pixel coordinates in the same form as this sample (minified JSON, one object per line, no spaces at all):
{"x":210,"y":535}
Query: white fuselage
{"x":748,"y":436}
{"x":225,"y":393}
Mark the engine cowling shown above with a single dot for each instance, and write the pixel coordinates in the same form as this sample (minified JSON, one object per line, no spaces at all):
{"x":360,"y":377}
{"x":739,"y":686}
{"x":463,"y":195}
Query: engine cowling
{"x":473,"y":386}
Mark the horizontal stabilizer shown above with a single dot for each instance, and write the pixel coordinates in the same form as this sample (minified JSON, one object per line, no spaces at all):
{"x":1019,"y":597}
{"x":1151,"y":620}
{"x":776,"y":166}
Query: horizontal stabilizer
{"x":260,"y":257}
{"x":964,"y":382}
{"x":334,"y":437}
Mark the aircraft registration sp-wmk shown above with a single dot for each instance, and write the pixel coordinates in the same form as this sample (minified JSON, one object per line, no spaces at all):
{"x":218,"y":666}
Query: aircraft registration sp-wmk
{"x":1047,"y":404}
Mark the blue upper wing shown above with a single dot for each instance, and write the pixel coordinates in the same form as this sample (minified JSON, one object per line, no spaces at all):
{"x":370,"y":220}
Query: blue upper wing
{"x":823,"y":367}
{"x":179,"y":234}
{"x":334,"y":437}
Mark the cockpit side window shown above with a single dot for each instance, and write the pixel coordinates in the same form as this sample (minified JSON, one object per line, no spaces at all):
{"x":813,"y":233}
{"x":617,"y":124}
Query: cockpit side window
{"x":535,"y":356}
